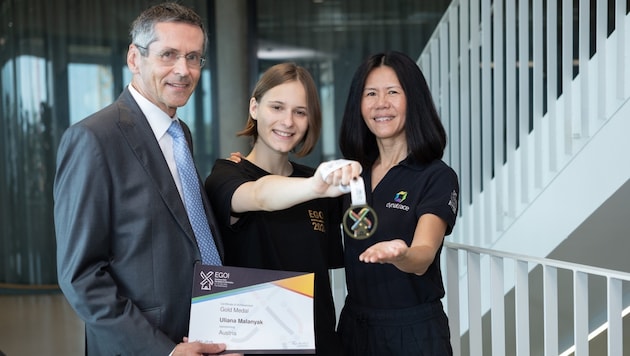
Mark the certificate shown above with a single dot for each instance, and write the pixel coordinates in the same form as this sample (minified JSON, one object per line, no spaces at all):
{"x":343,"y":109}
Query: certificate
{"x":253,"y":311}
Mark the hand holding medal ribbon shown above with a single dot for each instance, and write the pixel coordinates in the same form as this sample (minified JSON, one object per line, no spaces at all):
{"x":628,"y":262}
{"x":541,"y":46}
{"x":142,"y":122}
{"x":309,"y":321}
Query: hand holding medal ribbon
{"x":360,"y":220}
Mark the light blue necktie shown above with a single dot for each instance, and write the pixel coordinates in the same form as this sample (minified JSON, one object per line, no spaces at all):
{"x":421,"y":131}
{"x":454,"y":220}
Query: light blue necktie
{"x":192,"y":196}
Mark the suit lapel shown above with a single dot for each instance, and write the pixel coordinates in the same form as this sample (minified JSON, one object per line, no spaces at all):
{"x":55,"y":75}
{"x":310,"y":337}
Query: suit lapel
{"x":136,"y":130}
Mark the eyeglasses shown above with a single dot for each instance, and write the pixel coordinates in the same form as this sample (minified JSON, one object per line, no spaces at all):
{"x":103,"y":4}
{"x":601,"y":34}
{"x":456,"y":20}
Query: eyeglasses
{"x":170,"y":57}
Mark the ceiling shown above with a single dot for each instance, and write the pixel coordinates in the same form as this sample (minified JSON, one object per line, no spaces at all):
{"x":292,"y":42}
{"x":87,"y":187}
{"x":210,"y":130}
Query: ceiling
{"x":332,"y":27}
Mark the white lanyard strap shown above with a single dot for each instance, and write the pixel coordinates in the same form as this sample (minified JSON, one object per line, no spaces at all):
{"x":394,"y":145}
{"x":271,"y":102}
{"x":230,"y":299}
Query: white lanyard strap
{"x":357,"y":192}
{"x":331,"y":166}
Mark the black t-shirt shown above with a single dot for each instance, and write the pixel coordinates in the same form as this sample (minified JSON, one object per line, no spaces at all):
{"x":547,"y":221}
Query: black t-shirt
{"x":404,"y":194}
{"x":303,"y":238}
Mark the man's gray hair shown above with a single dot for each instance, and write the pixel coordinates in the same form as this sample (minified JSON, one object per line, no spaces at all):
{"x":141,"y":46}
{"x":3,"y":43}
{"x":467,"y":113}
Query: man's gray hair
{"x":143,"y":27}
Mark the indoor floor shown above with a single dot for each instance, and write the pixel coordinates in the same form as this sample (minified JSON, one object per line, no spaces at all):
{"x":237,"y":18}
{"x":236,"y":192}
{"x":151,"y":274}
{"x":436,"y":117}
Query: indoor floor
{"x":39,"y":324}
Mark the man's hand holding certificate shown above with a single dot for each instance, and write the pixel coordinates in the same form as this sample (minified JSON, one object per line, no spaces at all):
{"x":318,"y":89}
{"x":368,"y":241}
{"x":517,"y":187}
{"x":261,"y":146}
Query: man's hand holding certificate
{"x":253,"y":311}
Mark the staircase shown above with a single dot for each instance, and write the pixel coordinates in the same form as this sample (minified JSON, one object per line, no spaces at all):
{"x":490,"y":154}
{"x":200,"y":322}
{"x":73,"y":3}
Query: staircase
{"x":535,"y":99}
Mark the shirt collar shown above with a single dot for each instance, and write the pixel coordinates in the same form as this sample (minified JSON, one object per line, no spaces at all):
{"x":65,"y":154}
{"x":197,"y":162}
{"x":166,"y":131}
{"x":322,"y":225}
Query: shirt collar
{"x":158,"y":119}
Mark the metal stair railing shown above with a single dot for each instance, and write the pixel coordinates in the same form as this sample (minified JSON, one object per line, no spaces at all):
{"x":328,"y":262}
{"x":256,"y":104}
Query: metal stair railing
{"x":475,"y":281}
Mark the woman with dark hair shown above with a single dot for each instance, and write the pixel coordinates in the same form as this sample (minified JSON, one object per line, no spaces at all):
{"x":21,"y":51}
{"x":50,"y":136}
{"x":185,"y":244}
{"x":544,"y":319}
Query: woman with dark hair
{"x":273,"y":213}
{"x":390,"y":125}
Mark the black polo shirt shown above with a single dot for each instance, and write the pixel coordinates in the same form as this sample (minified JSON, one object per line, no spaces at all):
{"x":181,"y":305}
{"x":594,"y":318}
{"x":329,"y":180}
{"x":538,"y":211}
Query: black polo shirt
{"x":303,"y":238}
{"x":404,"y":194}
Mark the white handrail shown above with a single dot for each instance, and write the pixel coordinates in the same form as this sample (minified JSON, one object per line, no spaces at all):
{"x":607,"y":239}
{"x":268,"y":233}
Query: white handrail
{"x":485,"y":267}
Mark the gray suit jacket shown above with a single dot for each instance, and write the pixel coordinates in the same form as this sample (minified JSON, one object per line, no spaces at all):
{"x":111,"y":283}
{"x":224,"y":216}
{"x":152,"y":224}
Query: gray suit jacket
{"x":125,"y":247}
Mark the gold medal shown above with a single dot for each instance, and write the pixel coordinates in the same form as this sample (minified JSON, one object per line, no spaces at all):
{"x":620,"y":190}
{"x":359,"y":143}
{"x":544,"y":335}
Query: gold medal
{"x":360,"y":220}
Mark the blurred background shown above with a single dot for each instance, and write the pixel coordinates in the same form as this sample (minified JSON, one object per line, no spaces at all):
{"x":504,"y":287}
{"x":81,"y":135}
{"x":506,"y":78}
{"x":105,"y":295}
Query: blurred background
{"x":61,"y":60}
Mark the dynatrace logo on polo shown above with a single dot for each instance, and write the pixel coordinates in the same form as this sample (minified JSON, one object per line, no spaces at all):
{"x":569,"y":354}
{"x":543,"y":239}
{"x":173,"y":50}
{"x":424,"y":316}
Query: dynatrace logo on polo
{"x":400,"y":196}
{"x":398,"y":199}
